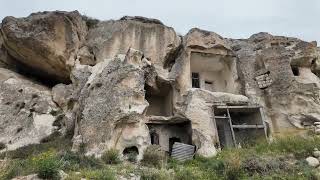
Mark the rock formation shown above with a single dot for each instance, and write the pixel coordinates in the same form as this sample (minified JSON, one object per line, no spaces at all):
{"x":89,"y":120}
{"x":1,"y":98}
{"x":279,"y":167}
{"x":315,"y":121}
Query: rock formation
{"x":133,"y":82}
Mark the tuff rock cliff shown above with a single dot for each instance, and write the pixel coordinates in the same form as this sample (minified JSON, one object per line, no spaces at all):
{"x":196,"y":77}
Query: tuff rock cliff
{"x":108,"y":84}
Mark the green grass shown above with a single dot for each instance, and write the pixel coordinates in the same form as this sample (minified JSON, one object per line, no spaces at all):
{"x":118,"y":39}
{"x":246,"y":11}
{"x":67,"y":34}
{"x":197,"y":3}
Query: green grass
{"x":284,"y":158}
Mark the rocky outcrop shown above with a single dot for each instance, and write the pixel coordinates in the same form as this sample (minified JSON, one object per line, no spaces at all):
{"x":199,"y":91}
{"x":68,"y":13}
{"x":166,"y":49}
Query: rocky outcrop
{"x":27,"y":112}
{"x":45,"y":42}
{"x":109,"y":111}
{"x":157,"y":41}
{"x":112,"y":85}
{"x":292,"y":100}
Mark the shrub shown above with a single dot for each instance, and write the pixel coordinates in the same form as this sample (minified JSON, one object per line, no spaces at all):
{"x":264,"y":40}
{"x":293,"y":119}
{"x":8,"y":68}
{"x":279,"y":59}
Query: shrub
{"x":74,"y":161}
{"x":111,"y":156}
{"x":47,"y":165}
{"x":153,"y":156}
{"x":61,"y":143}
{"x":132,"y":156}
{"x":188,"y":173}
{"x":298,"y":145}
{"x":155,"y":174}
{"x":13,"y":168}
{"x":104,"y":174}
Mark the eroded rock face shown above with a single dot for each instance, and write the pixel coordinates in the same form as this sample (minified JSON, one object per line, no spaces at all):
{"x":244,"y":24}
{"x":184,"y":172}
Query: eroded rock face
{"x":27,"y":113}
{"x":45,"y":42}
{"x":105,"y":105}
{"x":198,"y":109}
{"x":292,"y":100}
{"x":111,"y":105}
{"x":158,"y":42}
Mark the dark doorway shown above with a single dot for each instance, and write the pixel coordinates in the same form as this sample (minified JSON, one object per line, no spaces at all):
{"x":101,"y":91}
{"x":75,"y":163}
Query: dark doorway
{"x":131,"y":153}
{"x":172,"y":141}
{"x":154,"y":138}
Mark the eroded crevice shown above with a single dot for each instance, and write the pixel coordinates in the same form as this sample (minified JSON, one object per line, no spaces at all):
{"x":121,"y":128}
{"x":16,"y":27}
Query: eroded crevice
{"x":172,"y":56}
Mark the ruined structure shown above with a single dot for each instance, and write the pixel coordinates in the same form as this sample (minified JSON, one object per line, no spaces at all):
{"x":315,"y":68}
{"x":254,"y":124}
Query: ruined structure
{"x":133,"y":82}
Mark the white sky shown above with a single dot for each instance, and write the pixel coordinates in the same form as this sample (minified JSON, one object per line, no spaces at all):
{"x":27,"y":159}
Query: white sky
{"x":229,"y":18}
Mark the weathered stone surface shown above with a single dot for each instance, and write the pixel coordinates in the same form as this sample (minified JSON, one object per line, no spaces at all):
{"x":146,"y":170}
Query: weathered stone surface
{"x":45,"y":42}
{"x":313,"y":162}
{"x":27,"y":112}
{"x":29,"y":177}
{"x":198,"y":109}
{"x":111,"y":105}
{"x":105,"y":106}
{"x":291,"y":102}
{"x":157,"y":41}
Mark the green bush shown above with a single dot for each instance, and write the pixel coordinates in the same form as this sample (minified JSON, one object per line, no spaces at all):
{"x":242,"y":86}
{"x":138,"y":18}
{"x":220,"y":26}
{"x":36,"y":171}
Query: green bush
{"x":111,"y":156}
{"x":298,"y":145}
{"x":155,"y":174}
{"x":189,"y":173}
{"x":15,"y":168}
{"x":132,"y":156}
{"x":61,"y":143}
{"x":47,"y":165}
{"x":153,"y":156}
{"x":74,"y":161}
{"x":104,"y":174}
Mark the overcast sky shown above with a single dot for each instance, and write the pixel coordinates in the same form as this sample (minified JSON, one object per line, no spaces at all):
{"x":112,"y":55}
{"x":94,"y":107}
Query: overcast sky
{"x":229,"y":18}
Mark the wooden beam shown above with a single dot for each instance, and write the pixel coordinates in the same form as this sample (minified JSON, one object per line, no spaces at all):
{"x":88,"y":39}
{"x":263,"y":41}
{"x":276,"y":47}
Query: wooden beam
{"x":245,"y":126}
{"x":232,"y":132}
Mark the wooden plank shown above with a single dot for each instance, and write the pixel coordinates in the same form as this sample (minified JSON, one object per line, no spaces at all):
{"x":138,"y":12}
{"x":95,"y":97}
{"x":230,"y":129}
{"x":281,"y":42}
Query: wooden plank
{"x":232,"y":132}
{"x":238,"y":107}
{"x":246,"y":126}
{"x":264,"y":122}
{"x":221,"y":117}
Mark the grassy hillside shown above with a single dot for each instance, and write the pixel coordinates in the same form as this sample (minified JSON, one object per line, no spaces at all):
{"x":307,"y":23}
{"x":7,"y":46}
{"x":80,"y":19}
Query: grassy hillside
{"x":282,"y":159}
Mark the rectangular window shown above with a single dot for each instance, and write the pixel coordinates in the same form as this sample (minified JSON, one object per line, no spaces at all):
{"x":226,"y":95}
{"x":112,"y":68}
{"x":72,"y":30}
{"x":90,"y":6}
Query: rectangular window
{"x":195,"y":80}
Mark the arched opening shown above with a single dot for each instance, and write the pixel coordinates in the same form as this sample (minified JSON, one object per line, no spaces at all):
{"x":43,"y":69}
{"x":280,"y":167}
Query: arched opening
{"x":172,"y":141}
{"x":154,"y":138}
{"x":295,"y":70}
{"x":131,"y":153}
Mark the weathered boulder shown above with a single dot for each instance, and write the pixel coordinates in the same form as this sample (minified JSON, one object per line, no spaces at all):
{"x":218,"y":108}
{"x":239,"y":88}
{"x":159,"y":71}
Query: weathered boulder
{"x":27,"y":112}
{"x":158,"y":42}
{"x":111,"y":105}
{"x":45,"y":42}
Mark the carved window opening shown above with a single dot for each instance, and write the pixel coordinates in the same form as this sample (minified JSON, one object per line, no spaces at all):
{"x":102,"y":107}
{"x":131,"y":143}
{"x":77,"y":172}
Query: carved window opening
{"x":195,"y":80}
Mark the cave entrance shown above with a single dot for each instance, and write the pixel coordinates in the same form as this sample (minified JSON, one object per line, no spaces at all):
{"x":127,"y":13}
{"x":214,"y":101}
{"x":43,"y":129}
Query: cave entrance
{"x":131,"y":153}
{"x":212,"y":72}
{"x":159,"y":99}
